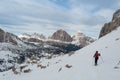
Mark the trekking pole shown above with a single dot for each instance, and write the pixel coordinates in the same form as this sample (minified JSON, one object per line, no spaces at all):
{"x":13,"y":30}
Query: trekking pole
{"x":92,"y":60}
{"x":101,"y":59}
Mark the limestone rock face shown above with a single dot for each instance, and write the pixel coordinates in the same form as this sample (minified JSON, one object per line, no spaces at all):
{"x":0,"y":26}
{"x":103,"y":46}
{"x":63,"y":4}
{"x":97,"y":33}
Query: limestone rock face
{"x":1,"y":35}
{"x":8,"y":37}
{"x":81,"y":39}
{"x":116,"y":15}
{"x":108,"y":27}
{"x":62,"y":36}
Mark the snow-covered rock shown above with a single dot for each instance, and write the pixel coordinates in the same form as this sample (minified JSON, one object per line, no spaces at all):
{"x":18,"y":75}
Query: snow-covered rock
{"x":6,"y":60}
{"x":81,"y":39}
{"x":34,"y":35}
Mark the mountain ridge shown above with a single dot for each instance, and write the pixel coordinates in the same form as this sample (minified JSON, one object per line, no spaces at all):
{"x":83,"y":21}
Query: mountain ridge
{"x":112,"y":25}
{"x":60,"y":36}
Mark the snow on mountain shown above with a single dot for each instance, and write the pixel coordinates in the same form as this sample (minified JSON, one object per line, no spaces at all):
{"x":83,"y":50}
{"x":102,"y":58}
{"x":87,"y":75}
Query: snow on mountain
{"x":79,"y":66}
{"x":60,"y":36}
{"x":34,"y":35}
{"x":8,"y":37}
{"x":24,"y":35}
{"x":81,"y":39}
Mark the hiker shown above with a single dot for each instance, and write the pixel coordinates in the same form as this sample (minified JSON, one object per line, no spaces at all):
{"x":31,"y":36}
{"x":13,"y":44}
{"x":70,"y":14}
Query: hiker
{"x":96,"y":56}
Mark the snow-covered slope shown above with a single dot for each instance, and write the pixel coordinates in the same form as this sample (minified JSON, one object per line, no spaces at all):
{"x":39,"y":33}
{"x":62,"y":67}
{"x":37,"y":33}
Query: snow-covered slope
{"x":81,"y":64}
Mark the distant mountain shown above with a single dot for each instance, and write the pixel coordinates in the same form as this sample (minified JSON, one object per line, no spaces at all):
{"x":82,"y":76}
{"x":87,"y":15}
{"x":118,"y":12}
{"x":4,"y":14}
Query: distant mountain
{"x":112,"y":25}
{"x":9,"y":38}
{"x":53,"y":46}
{"x":81,"y":39}
{"x":62,"y":36}
{"x":36,"y":36}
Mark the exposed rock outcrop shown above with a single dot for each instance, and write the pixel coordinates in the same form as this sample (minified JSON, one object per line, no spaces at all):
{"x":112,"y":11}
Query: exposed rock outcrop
{"x":1,"y":35}
{"x":62,"y":36}
{"x":108,"y":27}
{"x":116,"y":15}
{"x":8,"y":37}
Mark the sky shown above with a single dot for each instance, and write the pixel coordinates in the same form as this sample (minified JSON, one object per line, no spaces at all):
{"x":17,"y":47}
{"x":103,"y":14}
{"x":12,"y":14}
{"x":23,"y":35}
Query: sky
{"x":47,"y":16}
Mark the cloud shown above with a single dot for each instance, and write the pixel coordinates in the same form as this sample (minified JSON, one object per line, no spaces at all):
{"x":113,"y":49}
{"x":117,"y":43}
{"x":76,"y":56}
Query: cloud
{"x":46,"y":16}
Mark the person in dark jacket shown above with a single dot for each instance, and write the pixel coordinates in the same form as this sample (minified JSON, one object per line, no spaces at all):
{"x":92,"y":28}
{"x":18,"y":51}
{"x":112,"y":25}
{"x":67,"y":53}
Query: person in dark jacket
{"x":96,"y":56}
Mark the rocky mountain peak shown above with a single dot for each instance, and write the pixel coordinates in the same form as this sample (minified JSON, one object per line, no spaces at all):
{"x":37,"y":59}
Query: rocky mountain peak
{"x":61,"y":35}
{"x":39,"y":36}
{"x":81,"y":39}
{"x":116,"y":15}
{"x":79,"y":34}
{"x":8,"y":37}
{"x":112,"y":25}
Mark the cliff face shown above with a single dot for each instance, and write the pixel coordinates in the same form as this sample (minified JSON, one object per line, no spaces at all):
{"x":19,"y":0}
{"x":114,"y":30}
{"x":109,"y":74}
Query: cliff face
{"x":62,"y":35}
{"x":8,"y":37}
{"x":108,"y":27}
{"x":116,"y":15}
{"x":1,"y":35}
